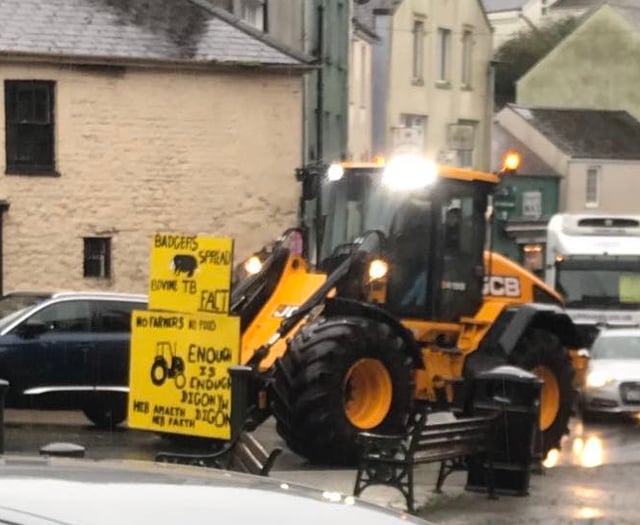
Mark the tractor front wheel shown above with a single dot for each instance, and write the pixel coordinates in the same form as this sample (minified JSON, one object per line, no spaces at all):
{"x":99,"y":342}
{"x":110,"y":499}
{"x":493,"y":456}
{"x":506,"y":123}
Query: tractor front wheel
{"x":339,"y":377}
{"x":542,"y":353}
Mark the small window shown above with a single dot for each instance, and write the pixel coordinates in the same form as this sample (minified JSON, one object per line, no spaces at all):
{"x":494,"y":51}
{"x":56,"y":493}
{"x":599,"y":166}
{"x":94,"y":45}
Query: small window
{"x":97,"y":257}
{"x":418,"y":50}
{"x":467,"y":57}
{"x":593,"y":187}
{"x":444,"y":54}
{"x":29,"y":127}
{"x":254,"y":12}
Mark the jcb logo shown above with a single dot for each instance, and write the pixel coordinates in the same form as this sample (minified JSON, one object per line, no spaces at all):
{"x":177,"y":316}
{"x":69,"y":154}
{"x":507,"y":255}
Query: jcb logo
{"x":501,"y":286}
{"x":284,"y":310}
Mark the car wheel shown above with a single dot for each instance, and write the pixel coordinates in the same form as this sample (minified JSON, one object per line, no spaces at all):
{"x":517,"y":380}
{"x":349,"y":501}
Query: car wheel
{"x":106,"y":412}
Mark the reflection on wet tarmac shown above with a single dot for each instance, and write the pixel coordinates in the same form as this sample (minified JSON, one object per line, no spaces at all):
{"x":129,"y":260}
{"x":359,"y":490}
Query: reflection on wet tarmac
{"x":589,"y":513}
{"x":553,"y":456}
{"x":590,"y":453}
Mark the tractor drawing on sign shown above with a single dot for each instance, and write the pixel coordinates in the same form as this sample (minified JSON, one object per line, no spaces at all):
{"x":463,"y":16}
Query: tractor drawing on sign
{"x":161,"y":369}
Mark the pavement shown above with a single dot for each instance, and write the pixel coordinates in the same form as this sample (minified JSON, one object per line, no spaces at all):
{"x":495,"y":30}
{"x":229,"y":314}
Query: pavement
{"x":592,"y":480}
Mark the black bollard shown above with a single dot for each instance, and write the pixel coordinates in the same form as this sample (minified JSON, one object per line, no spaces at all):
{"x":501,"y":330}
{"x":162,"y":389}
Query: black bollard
{"x":4,"y":387}
{"x":240,"y":378}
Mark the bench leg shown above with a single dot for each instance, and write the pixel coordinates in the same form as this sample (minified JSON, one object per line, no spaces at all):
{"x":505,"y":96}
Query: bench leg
{"x":441,"y":477}
{"x":409,"y":493}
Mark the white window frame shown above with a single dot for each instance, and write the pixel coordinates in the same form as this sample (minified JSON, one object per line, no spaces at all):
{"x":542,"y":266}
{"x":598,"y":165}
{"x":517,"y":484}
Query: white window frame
{"x":418,"y":32}
{"x":467,"y":57}
{"x":444,"y":55}
{"x":593,"y":174}
{"x":252,"y":12}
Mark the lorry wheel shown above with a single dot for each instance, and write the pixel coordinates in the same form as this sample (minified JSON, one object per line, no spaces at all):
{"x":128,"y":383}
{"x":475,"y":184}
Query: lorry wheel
{"x":339,"y":377}
{"x":542,"y":353}
{"x":106,"y":411}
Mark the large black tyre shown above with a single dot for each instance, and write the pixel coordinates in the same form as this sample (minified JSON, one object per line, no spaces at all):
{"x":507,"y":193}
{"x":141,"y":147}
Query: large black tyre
{"x":323,"y":375}
{"x":106,"y":411}
{"x":541,"y":352}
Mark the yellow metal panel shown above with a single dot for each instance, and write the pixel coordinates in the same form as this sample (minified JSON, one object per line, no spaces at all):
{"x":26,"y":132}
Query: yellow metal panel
{"x":295,"y":287}
{"x":179,"y":372}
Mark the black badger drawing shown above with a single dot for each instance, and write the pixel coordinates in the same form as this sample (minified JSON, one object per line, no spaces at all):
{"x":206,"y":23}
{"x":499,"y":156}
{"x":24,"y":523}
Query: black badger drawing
{"x":184,"y":264}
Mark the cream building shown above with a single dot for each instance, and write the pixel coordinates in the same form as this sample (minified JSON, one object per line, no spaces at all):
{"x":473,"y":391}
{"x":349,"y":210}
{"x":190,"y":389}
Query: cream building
{"x":119,"y":124}
{"x":360,"y":91}
{"x":433,"y":80}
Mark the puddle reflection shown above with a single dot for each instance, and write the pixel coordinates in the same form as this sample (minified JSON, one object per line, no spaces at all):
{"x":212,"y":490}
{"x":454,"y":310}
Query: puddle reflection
{"x":589,"y":513}
{"x":588,"y":453}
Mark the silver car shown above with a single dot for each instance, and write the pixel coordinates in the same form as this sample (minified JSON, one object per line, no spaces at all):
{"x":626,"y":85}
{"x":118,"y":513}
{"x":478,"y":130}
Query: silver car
{"x":44,"y":491}
{"x":612,"y":382}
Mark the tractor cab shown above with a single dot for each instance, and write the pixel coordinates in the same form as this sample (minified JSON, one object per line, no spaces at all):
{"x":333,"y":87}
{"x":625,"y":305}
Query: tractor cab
{"x":430,"y":224}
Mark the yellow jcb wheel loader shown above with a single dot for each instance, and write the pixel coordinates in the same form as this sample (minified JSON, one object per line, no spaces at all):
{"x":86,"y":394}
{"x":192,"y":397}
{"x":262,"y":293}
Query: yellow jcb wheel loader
{"x":393,"y":300}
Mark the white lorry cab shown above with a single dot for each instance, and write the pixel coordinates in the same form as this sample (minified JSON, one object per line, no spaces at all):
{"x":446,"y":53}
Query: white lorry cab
{"x":593,"y":260}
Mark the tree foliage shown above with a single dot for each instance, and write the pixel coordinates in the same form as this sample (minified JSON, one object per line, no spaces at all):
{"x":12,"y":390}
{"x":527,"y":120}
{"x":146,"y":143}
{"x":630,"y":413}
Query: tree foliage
{"x":519,"y":54}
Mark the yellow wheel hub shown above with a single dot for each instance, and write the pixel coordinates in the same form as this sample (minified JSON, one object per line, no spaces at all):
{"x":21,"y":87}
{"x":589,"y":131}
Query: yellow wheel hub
{"x":367,"y":393}
{"x":550,"y":397}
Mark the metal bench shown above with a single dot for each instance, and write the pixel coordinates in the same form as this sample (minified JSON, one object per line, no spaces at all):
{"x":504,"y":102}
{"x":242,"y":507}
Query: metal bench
{"x":242,"y":454}
{"x":390,"y":459}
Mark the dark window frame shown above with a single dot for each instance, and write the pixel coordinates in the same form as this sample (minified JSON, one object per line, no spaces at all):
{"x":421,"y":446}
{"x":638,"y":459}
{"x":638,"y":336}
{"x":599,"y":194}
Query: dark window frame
{"x":33,"y":122}
{"x":97,"y":257}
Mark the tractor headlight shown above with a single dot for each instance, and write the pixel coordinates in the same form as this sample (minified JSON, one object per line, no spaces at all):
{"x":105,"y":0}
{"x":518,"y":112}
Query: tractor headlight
{"x":378,"y":269}
{"x":409,"y":172}
{"x":253,"y":265}
{"x":597,"y":379}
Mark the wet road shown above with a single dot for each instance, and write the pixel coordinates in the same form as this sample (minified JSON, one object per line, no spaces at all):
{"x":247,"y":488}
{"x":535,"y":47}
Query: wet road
{"x":593,"y":479}
{"x":612,"y":441}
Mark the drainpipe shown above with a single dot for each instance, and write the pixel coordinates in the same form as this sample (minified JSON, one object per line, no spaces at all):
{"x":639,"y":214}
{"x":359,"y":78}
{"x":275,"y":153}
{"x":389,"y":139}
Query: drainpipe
{"x":4,"y":207}
{"x":320,"y":86}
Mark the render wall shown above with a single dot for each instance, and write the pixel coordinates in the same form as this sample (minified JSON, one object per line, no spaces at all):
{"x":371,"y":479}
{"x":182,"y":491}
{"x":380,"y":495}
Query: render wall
{"x":140,"y":151}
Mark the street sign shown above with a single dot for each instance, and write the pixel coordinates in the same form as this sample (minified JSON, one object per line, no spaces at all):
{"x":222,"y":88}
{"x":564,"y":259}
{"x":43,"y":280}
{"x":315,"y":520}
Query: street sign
{"x":190,"y":274}
{"x":179,"y":372}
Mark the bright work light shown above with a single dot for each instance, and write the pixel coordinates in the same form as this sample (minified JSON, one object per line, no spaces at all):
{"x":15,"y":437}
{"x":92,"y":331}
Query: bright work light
{"x":409,"y":172}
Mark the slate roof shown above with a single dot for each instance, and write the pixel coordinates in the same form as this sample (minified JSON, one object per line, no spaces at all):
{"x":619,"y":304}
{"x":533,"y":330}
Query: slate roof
{"x":157,"y":30}
{"x":503,"y":141}
{"x":494,"y":6}
{"x":587,"y":133}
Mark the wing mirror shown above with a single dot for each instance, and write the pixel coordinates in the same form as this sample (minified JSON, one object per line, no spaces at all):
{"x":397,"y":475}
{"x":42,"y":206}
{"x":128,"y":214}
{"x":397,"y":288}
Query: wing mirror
{"x":31,"y":329}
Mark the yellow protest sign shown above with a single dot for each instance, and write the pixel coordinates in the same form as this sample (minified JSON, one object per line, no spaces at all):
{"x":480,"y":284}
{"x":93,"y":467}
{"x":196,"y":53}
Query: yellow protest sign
{"x":629,"y":288}
{"x":190,"y":273}
{"x":179,"y":372}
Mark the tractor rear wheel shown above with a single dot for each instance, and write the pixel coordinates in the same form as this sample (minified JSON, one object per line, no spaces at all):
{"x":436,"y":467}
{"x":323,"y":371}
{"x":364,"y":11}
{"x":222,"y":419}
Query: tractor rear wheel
{"x":339,"y":377}
{"x":542,"y":353}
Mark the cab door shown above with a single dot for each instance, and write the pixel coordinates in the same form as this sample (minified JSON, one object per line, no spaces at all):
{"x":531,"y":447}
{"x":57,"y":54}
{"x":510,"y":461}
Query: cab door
{"x":460,"y":230}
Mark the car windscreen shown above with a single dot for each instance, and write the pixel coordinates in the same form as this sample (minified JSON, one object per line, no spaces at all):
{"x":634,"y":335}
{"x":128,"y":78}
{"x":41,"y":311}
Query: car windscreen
{"x":616,"y":347}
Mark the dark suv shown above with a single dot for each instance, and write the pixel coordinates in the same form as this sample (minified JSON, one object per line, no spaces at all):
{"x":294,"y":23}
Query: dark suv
{"x":68,"y":350}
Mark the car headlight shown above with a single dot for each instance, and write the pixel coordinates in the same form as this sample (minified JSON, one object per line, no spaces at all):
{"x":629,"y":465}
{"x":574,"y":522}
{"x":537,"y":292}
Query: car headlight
{"x":597,"y":379}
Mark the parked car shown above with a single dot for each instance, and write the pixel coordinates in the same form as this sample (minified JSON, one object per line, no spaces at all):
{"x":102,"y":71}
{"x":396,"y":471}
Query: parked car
{"x":68,"y":350}
{"x":56,"y":490}
{"x":612,"y":382}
